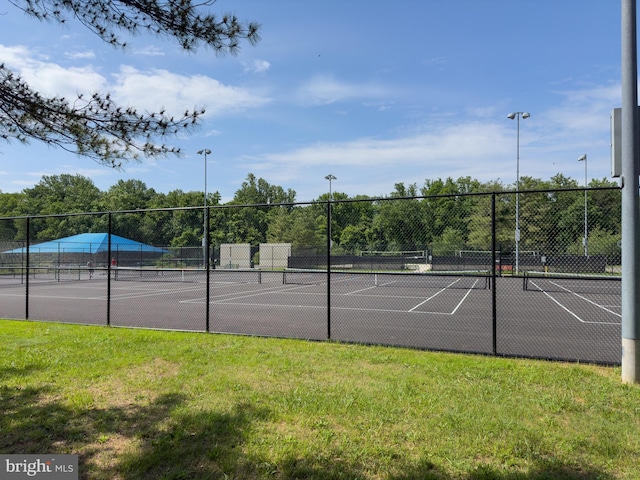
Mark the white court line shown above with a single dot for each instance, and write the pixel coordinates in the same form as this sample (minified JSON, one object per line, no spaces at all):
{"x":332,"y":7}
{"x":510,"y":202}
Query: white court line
{"x":324,"y":307}
{"x":587,"y":300}
{"x":231,"y":297}
{"x":463,"y":299}
{"x":362,"y":290}
{"x":574,"y":314}
{"x":444,"y":289}
{"x":231,"y":301}
{"x":58,"y":297}
{"x":426,"y":300}
{"x":238,"y":296}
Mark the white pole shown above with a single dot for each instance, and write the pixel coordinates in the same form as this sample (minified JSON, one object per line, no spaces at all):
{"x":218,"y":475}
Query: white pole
{"x":517,"y":116}
{"x":330,"y":177}
{"x":205,"y":152}
{"x":585,"y":238}
{"x":630,"y":203}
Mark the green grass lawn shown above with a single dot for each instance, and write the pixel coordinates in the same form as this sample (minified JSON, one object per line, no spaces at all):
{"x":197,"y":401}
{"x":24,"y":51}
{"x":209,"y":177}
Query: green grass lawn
{"x":142,"y":404}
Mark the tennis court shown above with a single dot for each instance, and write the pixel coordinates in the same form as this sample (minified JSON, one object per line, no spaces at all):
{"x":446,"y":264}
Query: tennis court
{"x":546,"y":317}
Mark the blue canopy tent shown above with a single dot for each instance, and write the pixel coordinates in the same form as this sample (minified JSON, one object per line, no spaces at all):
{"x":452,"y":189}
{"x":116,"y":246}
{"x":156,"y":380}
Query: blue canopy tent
{"x":94,"y":247}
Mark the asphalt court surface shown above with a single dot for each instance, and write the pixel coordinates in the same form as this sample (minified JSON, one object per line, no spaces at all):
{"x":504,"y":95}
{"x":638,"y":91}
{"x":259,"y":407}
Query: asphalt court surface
{"x":562,"y":321}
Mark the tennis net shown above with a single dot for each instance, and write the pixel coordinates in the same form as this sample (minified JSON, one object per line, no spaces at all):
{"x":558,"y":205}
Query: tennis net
{"x":572,"y":283}
{"x":182,"y":275}
{"x":455,"y":279}
{"x":42,"y":274}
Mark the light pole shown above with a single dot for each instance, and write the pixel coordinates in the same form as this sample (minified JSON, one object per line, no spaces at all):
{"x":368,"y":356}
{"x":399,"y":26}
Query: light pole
{"x":517,"y":116}
{"x":330,"y":177}
{"x":205,"y":152}
{"x":584,"y":239}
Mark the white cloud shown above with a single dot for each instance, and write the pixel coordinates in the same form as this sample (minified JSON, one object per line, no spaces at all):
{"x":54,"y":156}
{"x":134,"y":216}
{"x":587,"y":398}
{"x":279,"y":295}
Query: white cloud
{"x":150,"y":90}
{"x":15,"y":56}
{"x":455,"y":143}
{"x":212,"y":133}
{"x":257,"y":66}
{"x":585,"y":110}
{"x":161,"y":88}
{"x":50,"y":78}
{"x":80,"y":55}
{"x":324,"y":90}
{"x":436,"y":62}
{"x":151,"y":51}
{"x":483,"y":147}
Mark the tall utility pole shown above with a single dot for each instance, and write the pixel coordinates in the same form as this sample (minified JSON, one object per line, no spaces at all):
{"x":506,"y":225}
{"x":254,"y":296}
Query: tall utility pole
{"x":330,"y":177}
{"x":585,"y":239}
{"x":205,"y":152}
{"x":518,"y":115}
{"x":630,"y":202}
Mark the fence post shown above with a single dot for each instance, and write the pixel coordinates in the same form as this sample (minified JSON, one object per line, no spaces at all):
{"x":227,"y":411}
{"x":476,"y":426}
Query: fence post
{"x":207,"y":266}
{"x":109,"y":269}
{"x":329,"y":269}
{"x":27,"y":268}
{"x":494,"y":332}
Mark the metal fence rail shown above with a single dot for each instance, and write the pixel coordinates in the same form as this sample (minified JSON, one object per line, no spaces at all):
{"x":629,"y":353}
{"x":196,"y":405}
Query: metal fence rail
{"x":439,"y":272}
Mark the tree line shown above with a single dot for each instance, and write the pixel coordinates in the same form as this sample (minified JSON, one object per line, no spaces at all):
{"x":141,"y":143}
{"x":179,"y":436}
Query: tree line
{"x":441,"y":216}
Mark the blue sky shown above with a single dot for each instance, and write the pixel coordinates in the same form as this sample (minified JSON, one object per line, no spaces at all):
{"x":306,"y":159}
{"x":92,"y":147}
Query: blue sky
{"x":374,"y":92}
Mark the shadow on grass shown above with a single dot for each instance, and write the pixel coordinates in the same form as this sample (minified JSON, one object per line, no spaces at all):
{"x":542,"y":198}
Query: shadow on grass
{"x":542,"y":470}
{"x":129,"y":442}
{"x":161,"y":440}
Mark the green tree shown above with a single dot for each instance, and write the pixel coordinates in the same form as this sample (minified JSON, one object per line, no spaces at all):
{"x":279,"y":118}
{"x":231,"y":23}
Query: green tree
{"x":534,"y":214}
{"x":257,"y":191}
{"x":355,"y":224}
{"x":603,"y":242}
{"x":249,"y":224}
{"x":128,"y":196}
{"x":306,"y":237}
{"x":401,"y":225}
{"x":449,"y":205}
{"x":355,"y":238}
{"x":9,"y":207}
{"x":280,"y":226}
{"x":344,"y":212}
{"x":60,"y":194}
{"x":448,"y":243}
{"x":183,"y":227}
{"x":480,"y":220}
{"x":95,"y":126}
{"x":400,"y":222}
{"x":564,"y":220}
{"x":604,"y":206}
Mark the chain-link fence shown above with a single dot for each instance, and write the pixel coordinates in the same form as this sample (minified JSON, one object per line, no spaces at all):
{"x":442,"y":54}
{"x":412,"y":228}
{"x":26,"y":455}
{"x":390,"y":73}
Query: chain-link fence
{"x":533,"y":273}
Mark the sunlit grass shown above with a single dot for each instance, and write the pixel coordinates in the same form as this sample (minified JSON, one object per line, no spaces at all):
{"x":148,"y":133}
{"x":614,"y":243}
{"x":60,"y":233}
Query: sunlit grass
{"x":141,"y":404}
